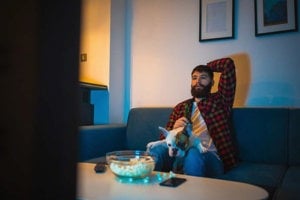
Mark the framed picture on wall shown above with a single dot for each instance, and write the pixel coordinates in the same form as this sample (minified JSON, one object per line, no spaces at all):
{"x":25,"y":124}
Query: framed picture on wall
{"x":275,"y":16}
{"x":216,"y":19}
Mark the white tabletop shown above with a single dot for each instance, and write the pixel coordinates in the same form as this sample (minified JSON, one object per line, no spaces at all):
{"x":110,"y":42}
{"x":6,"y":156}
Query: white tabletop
{"x":92,"y":186}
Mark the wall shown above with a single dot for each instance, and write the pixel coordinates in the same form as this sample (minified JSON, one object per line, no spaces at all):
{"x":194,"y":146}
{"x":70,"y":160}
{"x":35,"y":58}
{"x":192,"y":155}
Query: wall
{"x":95,"y":41}
{"x":120,"y":67}
{"x":161,"y":47}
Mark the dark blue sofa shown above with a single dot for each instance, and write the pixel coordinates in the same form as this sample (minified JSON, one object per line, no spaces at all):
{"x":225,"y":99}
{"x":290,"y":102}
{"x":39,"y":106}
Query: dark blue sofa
{"x":267,"y":140}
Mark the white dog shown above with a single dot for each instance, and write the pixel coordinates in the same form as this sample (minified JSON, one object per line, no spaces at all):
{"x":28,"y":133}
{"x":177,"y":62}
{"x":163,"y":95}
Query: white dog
{"x":179,"y":141}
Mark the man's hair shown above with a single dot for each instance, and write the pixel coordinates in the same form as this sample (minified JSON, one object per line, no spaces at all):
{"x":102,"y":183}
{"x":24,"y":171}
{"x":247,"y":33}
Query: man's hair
{"x":204,"y":68}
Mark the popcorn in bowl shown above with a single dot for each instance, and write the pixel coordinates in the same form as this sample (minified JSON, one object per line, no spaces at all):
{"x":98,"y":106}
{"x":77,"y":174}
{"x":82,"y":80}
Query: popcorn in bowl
{"x":130,"y":164}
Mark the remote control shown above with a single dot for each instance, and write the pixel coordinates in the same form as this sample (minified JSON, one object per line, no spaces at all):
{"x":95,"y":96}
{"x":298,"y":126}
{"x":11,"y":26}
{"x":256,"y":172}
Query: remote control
{"x":100,"y":168}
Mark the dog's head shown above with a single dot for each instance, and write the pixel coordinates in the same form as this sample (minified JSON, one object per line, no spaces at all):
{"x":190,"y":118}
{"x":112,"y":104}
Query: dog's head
{"x":177,"y":140}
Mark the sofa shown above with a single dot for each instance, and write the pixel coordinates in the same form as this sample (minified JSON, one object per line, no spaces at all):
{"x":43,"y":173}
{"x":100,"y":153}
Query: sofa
{"x":266,"y":139}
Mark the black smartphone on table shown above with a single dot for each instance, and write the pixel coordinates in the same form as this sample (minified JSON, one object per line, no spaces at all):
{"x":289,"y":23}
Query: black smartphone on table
{"x":173,"y":182}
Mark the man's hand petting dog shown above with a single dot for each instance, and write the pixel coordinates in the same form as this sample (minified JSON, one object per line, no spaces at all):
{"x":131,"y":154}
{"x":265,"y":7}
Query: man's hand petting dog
{"x":181,"y":122}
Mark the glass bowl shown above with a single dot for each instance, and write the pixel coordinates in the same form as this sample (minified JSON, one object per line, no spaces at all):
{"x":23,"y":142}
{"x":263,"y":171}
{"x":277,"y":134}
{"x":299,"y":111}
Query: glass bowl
{"x":130,"y":164}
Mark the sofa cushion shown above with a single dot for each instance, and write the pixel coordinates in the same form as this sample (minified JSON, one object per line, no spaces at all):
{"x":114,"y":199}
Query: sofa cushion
{"x":142,"y":126}
{"x":291,"y":185}
{"x":256,"y":173}
{"x":264,"y":175}
{"x":294,"y":132}
{"x":96,"y":140}
{"x":261,"y":134}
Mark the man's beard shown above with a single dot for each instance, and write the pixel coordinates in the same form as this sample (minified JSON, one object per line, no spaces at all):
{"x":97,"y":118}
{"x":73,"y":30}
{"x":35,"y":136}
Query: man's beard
{"x":200,"y":93}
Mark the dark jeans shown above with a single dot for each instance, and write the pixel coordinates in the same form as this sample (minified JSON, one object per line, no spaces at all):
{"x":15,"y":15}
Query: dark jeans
{"x":194,"y":163}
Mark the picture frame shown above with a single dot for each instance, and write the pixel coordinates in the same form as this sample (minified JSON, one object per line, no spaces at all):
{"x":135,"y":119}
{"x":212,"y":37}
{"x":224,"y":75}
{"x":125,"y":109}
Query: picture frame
{"x":216,"y":20}
{"x":275,"y":16}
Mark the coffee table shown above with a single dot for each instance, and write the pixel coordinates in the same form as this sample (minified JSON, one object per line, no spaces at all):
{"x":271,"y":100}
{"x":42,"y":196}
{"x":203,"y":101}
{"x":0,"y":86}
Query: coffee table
{"x":92,"y":186}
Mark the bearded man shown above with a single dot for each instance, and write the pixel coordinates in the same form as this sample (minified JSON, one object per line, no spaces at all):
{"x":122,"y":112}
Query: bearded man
{"x":211,"y":123}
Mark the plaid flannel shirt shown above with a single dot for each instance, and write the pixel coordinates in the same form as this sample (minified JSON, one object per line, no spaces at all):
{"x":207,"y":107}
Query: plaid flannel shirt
{"x":216,"y":111}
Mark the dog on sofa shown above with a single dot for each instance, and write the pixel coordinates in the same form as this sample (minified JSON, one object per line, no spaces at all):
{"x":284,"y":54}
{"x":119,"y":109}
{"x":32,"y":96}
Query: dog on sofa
{"x":179,"y":140}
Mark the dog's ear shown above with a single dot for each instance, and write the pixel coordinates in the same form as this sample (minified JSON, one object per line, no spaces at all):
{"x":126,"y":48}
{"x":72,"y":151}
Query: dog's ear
{"x":164,"y":131}
{"x":182,"y":141}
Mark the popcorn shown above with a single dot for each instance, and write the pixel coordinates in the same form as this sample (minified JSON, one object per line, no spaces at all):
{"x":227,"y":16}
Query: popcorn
{"x":135,"y":167}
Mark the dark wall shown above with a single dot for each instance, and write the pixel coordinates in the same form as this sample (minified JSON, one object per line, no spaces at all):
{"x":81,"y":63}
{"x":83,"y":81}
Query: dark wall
{"x":39,"y":48}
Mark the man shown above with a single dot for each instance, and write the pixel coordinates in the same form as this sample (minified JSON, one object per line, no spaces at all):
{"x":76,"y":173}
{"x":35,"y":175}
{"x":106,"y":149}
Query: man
{"x":215,"y":110}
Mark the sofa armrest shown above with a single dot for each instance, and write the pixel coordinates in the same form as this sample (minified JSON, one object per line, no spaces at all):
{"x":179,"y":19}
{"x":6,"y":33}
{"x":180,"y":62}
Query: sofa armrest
{"x":97,"y":140}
